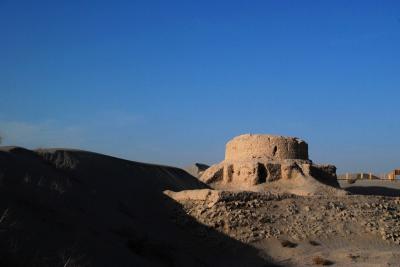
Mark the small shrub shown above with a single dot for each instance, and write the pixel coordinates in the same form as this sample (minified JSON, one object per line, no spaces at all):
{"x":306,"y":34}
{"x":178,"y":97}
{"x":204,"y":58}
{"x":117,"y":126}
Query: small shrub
{"x":288,"y":244}
{"x":353,"y":257}
{"x":321,"y":261}
{"x":314,"y":243}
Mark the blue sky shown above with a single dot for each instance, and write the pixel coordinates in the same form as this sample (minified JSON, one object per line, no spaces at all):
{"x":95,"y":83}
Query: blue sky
{"x":172,"y":81}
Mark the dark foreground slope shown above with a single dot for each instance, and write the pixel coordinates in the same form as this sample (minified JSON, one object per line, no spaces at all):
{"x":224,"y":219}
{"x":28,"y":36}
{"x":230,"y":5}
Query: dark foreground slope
{"x":77,"y":208}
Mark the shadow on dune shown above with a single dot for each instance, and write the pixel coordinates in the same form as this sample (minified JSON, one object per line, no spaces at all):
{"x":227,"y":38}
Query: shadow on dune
{"x":77,"y":208}
{"x":374,"y":190}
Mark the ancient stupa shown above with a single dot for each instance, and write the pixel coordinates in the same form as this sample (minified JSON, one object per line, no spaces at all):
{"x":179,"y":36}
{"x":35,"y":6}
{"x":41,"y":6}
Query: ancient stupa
{"x":258,"y":162}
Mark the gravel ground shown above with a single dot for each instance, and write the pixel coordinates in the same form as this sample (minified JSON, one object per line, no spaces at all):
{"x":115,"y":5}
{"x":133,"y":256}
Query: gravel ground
{"x":259,"y":218}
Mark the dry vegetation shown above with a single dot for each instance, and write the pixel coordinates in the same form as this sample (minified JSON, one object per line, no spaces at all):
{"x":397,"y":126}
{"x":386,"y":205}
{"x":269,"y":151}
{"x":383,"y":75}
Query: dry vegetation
{"x":318,"y":260}
{"x":288,"y":244}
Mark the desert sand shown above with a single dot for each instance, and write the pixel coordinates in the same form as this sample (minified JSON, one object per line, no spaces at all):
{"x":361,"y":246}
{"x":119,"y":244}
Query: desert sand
{"x":62,"y":207}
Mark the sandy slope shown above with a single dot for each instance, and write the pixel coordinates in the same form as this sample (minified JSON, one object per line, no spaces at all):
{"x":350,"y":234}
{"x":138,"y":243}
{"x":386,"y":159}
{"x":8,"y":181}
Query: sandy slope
{"x":74,"y":208}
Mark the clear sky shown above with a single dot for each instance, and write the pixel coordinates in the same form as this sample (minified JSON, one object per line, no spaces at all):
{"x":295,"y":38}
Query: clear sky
{"x":172,"y":81}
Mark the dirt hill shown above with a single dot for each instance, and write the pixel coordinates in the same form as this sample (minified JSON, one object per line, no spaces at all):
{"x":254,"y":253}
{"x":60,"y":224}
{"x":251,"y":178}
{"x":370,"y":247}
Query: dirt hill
{"x":61,"y":207}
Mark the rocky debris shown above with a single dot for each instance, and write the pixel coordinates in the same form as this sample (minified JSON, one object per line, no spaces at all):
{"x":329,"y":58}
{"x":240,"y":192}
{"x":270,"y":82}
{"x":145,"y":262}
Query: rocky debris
{"x":388,"y":224}
{"x":210,"y":196}
{"x":251,"y":217}
{"x":254,"y":160}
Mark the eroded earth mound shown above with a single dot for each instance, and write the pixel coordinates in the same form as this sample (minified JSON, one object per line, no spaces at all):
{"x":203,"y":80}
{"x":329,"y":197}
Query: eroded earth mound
{"x":63,"y":207}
